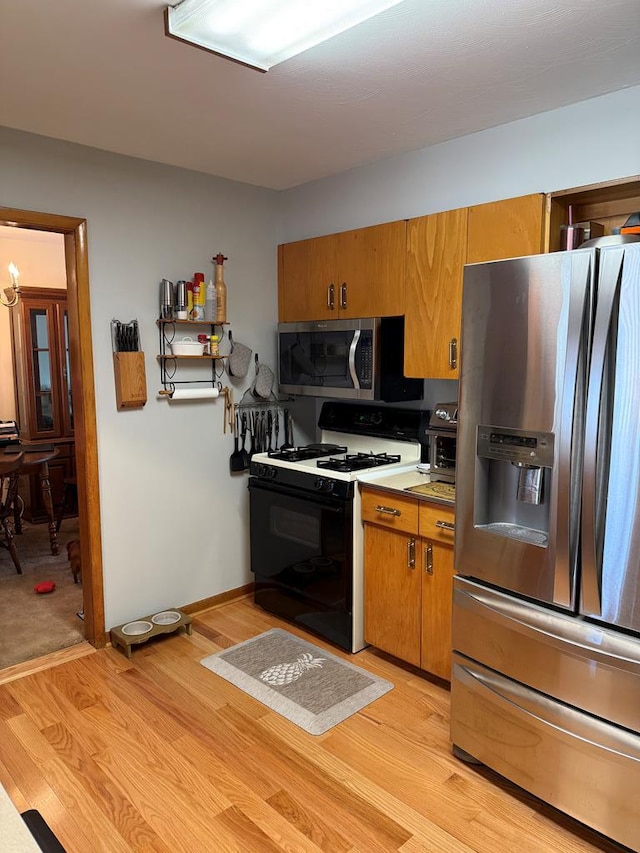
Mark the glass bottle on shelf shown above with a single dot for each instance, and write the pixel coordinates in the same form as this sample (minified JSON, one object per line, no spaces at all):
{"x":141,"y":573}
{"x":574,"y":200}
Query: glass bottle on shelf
{"x":221,"y":290}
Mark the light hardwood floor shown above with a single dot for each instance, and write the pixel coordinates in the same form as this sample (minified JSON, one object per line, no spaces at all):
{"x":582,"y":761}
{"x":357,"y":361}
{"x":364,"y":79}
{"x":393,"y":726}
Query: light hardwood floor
{"x":159,"y":754}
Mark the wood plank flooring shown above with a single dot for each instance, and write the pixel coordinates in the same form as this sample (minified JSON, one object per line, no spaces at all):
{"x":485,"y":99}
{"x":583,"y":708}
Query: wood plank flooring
{"x":158,"y":755}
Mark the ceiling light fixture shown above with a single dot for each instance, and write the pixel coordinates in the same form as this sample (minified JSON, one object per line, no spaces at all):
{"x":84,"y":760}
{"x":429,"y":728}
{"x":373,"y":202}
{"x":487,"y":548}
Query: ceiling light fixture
{"x":262,"y":33}
{"x":11,"y":294}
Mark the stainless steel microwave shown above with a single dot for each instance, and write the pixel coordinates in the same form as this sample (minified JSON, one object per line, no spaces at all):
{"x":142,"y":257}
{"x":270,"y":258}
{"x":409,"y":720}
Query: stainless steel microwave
{"x":350,"y":359}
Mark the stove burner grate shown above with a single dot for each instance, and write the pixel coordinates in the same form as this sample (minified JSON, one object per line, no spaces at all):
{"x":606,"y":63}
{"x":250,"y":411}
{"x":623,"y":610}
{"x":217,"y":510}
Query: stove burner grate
{"x":358,"y":461}
{"x":309,"y":451}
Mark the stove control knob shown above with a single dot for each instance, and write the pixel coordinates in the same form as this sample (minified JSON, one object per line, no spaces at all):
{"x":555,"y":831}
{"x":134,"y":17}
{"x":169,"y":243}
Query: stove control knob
{"x":319,"y":484}
{"x":329,"y":485}
{"x":268,"y":472}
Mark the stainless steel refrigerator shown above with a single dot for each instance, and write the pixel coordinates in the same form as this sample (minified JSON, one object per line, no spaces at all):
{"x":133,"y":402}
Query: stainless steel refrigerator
{"x":546,"y":619}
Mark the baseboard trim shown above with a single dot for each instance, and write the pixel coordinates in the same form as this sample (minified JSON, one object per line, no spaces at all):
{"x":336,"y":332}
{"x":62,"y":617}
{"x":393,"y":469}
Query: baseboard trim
{"x":207,"y":603}
{"x":218,"y":600}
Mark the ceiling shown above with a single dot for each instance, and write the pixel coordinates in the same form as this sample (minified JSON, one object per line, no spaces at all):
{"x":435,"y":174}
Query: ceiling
{"x":102,"y":73}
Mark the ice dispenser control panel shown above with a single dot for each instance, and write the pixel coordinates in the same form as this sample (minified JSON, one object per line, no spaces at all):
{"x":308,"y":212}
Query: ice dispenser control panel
{"x":511,"y":445}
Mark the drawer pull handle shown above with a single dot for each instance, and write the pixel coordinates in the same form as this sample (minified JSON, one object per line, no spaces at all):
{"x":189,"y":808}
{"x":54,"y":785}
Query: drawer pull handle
{"x":428,"y":560}
{"x":411,"y":553}
{"x":388,"y":510}
{"x":445,"y":525}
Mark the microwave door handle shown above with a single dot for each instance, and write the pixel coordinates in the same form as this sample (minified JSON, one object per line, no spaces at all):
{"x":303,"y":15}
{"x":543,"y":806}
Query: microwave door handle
{"x":352,"y":359}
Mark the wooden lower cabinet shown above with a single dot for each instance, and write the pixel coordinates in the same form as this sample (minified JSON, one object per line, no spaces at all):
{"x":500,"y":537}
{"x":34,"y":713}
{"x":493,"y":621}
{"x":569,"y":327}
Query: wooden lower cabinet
{"x":408,"y":578}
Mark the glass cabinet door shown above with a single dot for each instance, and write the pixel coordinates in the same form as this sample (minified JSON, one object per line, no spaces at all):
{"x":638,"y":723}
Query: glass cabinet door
{"x":41,"y":353}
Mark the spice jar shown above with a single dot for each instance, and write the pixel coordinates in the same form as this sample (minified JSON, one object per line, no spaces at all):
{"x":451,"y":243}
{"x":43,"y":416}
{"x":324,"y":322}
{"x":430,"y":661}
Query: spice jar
{"x":204,"y":339}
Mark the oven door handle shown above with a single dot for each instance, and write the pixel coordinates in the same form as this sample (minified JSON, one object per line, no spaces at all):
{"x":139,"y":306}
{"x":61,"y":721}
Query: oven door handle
{"x":334,"y":504}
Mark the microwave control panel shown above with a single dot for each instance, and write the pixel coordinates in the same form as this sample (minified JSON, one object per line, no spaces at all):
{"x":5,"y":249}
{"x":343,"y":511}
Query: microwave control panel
{"x":364,"y":359}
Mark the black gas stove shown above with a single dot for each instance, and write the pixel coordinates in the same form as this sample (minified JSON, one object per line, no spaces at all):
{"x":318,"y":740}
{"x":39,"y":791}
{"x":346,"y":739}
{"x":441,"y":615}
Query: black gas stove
{"x":306,"y":540}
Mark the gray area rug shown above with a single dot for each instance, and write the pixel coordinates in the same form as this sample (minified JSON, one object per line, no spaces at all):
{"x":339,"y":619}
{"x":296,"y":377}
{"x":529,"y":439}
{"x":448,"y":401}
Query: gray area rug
{"x":307,"y":685}
{"x":33,"y":625}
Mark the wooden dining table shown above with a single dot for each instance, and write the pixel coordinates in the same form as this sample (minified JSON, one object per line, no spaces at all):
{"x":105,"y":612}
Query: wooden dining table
{"x":36,"y":461}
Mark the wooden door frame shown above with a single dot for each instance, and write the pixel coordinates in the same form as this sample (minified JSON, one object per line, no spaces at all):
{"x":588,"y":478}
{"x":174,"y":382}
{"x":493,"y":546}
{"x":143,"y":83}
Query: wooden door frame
{"x":74,"y":231}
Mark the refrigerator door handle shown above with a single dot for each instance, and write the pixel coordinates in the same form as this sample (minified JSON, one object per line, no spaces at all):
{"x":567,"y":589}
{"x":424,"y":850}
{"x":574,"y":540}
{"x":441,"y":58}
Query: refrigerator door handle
{"x":597,"y":430}
{"x":570,"y":433}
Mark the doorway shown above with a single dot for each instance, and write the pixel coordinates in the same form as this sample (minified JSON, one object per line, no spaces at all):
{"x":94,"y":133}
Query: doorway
{"x":74,"y":232}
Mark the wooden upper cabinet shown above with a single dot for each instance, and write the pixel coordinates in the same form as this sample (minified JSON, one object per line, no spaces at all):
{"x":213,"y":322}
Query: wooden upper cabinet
{"x":359,"y":273}
{"x":510,"y":228}
{"x":371,"y":271}
{"x":436,"y":253}
{"x":305,"y":274}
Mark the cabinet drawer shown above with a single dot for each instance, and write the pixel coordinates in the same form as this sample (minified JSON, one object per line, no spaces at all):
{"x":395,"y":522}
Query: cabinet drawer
{"x":433,"y":523}
{"x":390,"y":510}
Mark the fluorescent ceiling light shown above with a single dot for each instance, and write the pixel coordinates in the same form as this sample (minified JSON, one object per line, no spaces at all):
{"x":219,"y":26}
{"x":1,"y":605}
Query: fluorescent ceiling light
{"x":262,"y":33}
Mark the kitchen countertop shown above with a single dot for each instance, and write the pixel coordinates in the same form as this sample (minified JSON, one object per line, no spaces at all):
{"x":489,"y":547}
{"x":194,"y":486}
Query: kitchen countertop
{"x":401,"y":480}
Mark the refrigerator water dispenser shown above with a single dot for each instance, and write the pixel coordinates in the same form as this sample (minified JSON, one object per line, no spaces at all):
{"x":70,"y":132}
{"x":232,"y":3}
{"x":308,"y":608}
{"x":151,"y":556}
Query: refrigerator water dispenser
{"x":514,"y":472}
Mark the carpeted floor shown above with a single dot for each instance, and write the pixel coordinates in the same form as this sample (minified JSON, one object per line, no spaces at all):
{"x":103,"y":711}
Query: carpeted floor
{"x":32,"y":625}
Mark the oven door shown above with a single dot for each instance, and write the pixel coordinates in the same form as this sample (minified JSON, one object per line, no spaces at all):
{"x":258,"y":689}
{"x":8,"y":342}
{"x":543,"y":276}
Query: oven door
{"x":301,"y":555}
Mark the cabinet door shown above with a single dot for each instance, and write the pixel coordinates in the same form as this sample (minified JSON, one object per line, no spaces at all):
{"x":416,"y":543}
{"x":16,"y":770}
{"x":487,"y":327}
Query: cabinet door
{"x":306,"y":272}
{"x":437,"y":595}
{"x":371,"y":270}
{"x":510,"y":228}
{"x":436,"y":253}
{"x":392,"y":592}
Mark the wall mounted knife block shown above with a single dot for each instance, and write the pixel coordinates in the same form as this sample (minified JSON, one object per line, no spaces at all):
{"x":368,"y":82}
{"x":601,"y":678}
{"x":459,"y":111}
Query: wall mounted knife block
{"x":131,"y":380}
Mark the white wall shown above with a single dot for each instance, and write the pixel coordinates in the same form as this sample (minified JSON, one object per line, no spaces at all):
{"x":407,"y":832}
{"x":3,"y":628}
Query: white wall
{"x":593,"y":141}
{"x":174,"y":521}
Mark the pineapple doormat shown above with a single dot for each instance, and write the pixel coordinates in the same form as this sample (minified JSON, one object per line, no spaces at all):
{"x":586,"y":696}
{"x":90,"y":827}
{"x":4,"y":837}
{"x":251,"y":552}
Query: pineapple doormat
{"x":307,"y":685}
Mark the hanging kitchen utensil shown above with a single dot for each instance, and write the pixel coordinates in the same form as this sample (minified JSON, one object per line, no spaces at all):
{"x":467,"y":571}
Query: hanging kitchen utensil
{"x":276,"y":428}
{"x":239,"y":358}
{"x":236,"y":460}
{"x":286,"y":424}
{"x":293,"y":444}
{"x":243,"y":434}
{"x":252,"y":422}
{"x":269,"y":429}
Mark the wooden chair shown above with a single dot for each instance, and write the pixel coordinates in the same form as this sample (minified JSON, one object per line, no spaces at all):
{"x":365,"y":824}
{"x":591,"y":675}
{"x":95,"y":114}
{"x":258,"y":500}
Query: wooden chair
{"x":69,"y":492}
{"x":9,"y":473}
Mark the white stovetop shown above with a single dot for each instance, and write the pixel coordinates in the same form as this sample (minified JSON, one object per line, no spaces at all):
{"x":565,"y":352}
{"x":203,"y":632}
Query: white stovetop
{"x":409,"y":453}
